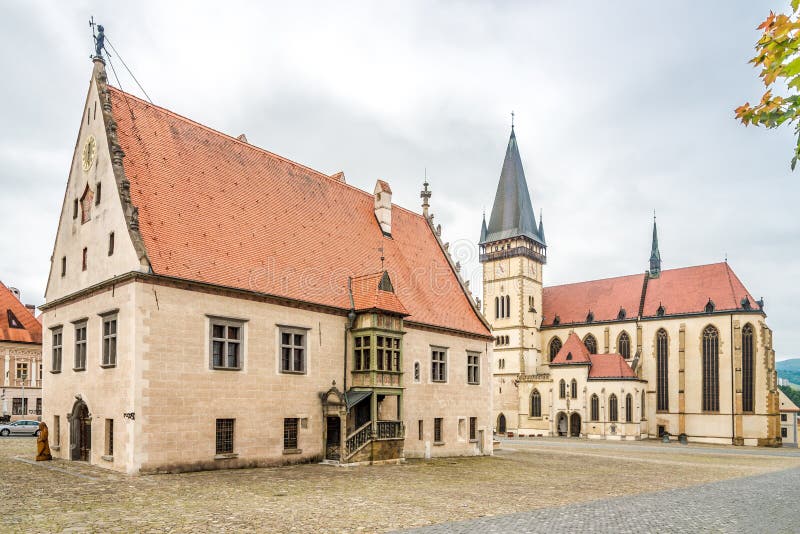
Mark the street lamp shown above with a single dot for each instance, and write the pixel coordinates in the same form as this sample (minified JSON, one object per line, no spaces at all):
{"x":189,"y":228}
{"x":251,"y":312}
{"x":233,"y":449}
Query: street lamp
{"x":24,"y":406}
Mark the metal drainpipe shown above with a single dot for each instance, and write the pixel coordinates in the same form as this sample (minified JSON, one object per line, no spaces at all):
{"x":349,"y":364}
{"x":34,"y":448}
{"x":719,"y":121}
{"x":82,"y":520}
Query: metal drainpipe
{"x":351,"y":316}
{"x":733,"y":390}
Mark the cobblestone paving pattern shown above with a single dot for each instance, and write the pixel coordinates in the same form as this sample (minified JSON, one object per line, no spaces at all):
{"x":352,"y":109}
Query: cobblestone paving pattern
{"x":62,"y":496}
{"x":758,"y":504}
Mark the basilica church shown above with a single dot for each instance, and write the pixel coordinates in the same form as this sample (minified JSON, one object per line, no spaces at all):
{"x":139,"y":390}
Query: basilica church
{"x":683,"y":353}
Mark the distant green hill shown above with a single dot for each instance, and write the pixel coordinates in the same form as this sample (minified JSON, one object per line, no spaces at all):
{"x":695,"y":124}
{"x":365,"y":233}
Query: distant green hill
{"x":789,"y":369}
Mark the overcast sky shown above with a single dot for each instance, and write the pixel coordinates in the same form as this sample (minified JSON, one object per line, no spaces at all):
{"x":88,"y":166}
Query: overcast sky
{"x":621,"y":108}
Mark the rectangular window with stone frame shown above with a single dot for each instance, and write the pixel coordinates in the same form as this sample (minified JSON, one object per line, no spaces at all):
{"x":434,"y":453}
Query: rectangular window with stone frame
{"x":80,"y":346}
{"x":437,"y":430}
{"x":293,"y":349}
{"x":438,"y":364}
{"x":473,"y":428}
{"x":19,"y":406}
{"x":57,"y":349}
{"x":290,"y":434}
{"x":109,"y":340}
{"x":473,"y":368}
{"x":225,"y":343}
{"x":224,"y":436}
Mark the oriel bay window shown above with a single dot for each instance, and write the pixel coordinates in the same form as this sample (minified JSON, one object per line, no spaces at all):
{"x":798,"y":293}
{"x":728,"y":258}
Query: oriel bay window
{"x":362,"y":353}
{"x":226,"y":343}
{"x":387,"y":353}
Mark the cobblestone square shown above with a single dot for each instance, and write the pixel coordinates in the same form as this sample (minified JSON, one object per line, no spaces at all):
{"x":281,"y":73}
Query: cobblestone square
{"x":525,"y":475}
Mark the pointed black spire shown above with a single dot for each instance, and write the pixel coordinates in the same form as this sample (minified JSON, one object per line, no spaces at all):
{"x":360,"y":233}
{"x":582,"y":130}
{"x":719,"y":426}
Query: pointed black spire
{"x":655,"y":254}
{"x":541,"y":227}
{"x":483,"y":228}
{"x":512,"y":212}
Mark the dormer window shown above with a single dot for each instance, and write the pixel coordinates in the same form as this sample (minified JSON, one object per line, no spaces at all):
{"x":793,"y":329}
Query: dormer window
{"x":746,"y":303}
{"x":86,"y":205}
{"x":621,"y":314}
{"x":569,"y":356}
{"x":13,"y":322}
{"x":661,"y":310}
{"x":710,"y":306}
{"x":556,"y":320}
{"x":590,"y":316}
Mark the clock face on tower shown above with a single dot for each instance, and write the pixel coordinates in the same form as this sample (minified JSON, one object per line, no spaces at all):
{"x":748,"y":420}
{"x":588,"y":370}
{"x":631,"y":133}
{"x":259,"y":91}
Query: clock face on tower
{"x":532,"y":269}
{"x":89,"y":152}
{"x":499,"y":270}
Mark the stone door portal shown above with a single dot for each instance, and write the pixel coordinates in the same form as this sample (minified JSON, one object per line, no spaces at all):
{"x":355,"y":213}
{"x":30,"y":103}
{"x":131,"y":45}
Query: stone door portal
{"x":333,"y":440}
{"x":575,"y":424}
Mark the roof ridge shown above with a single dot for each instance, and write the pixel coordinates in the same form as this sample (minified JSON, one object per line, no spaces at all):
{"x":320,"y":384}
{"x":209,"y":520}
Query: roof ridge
{"x":254,"y":147}
{"x":636,"y":274}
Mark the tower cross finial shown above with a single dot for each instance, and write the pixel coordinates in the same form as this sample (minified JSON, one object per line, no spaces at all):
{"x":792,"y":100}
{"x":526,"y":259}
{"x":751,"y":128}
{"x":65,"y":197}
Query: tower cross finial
{"x":512,"y":119}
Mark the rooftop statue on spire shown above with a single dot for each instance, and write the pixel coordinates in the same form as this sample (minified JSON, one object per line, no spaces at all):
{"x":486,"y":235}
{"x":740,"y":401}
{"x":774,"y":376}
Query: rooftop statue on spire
{"x":99,"y":38}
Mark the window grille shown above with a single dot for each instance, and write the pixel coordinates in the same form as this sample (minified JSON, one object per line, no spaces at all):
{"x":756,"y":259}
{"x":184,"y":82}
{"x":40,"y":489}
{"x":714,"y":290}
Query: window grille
{"x":591,"y":344}
{"x":555,"y":346}
{"x":224,"y":436}
{"x":748,"y":367}
{"x":536,"y":404}
{"x":662,"y":371}
{"x":290,"y":433}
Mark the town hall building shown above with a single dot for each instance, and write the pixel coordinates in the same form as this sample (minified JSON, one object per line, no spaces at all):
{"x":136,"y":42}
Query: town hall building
{"x":211,"y":304}
{"x":681,"y":351}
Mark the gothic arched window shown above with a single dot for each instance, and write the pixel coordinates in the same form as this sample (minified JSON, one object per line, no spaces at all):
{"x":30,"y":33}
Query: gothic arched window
{"x":629,"y":408}
{"x":624,"y":345}
{"x":710,"y":369}
{"x":612,"y":408}
{"x":555,"y":346}
{"x":497,"y":307}
{"x":591,"y":343}
{"x":573,"y":389}
{"x":562,"y":389}
{"x":748,"y":368}
{"x":536,"y":404}
{"x":595,"y":408}
{"x":662,"y":371}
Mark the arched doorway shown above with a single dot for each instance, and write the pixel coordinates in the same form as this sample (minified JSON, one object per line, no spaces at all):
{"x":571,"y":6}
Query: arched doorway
{"x":80,"y":432}
{"x":501,"y":424}
{"x":561,"y":424}
{"x":575,"y":424}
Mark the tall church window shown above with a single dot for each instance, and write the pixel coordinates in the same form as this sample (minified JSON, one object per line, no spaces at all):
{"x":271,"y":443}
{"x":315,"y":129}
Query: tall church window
{"x":710,"y":369}
{"x":562,"y":389}
{"x":662,"y":371}
{"x":508,"y":306}
{"x":591,"y":344}
{"x":536,"y":404}
{"x":748,"y":382}
{"x":629,"y":408}
{"x":497,"y":307}
{"x":555,"y":346}
{"x":624,"y":345}
{"x":573,"y":389}
{"x":612,"y":408}
{"x":595,"y":408}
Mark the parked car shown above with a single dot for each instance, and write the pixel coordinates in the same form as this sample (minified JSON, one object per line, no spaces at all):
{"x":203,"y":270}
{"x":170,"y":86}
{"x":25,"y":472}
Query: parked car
{"x":30,"y":428}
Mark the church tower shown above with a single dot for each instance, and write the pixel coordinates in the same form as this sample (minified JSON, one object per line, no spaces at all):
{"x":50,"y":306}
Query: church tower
{"x":513,"y":252}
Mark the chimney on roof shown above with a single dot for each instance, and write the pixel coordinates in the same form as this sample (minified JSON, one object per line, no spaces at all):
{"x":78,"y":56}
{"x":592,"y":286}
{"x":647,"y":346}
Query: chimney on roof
{"x":383,"y":206}
{"x":31,"y":308}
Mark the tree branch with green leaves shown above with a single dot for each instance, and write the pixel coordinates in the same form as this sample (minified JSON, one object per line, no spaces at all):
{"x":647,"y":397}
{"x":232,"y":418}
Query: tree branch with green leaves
{"x":778,"y":57}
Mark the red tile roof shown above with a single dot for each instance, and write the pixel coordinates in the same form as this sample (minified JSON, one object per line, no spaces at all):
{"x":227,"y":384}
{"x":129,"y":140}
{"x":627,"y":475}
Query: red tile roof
{"x":571,"y":303}
{"x":217,"y":210}
{"x":31,"y":331}
{"x":573,"y":351}
{"x":687,"y":290}
{"x":610,"y":366}
{"x":367,"y":295}
{"x":680,"y":291}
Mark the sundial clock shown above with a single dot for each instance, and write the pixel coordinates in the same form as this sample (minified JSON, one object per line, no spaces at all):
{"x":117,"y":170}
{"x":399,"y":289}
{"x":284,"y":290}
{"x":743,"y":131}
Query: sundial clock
{"x":89,"y":153}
